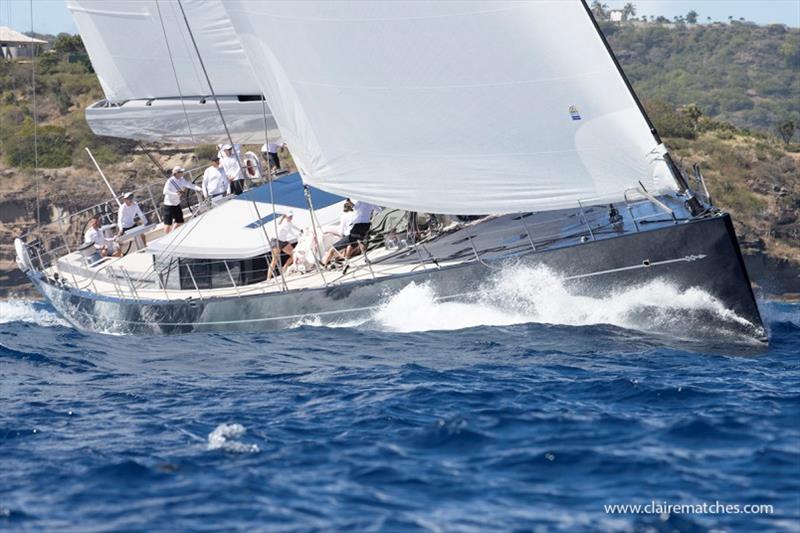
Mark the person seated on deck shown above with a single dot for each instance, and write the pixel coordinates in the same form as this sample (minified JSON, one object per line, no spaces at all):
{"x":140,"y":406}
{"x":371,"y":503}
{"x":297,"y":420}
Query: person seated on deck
{"x":175,"y":186}
{"x":103,"y":247}
{"x":288,"y":234}
{"x":345,"y":225}
{"x":362,"y":221}
{"x":215,"y":182}
{"x":129,"y":211}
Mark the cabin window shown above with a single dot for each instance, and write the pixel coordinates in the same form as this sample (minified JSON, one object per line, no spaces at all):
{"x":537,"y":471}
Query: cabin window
{"x":212,"y":274}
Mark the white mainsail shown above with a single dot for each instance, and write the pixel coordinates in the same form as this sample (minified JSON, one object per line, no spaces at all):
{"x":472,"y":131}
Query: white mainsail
{"x":466,"y":107}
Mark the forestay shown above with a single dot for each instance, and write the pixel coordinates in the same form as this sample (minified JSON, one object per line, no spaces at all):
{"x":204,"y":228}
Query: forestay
{"x":129,"y":52}
{"x":450,"y":107}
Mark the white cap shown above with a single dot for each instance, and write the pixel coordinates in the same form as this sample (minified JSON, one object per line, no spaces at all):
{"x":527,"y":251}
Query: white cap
{"x":290,"y":213}
{"x":127,"y":195}
{"x":227,"y":147}
{"x":177,"y":169}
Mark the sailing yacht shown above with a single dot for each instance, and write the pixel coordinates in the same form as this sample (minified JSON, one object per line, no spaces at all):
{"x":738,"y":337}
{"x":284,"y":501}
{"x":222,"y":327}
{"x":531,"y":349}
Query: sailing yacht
{"x":492,"y":134}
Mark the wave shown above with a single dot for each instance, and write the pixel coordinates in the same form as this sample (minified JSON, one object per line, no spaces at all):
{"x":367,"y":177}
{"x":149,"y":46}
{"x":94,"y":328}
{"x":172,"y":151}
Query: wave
{"x":30,"y":312}
{"x":521,"y":294}
{"x":225,"y":437}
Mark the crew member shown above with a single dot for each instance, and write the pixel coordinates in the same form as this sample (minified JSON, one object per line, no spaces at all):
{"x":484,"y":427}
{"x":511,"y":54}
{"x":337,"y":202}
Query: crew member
{"x":233,"y":170}
{"x":362,"y":220}
{"x":174,"y":188}
{"x":215,"y":182}
{"x":129,"y":211}
{"x":270,"y":152}
{"x":345,"y":225}
{"x":103,"y":247}
{"x":288,"y":234}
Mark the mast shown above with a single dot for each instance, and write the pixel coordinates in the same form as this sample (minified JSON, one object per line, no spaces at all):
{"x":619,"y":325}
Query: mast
{"x":683,"y":186}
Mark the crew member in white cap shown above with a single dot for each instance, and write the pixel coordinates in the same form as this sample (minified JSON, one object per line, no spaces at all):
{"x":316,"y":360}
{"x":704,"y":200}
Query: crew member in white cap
{"x":215,"y":182}
{"x":233,"y":170}
{"x":288,"y":235}
{"x":129,"y":211}
{"x":175,"y":186}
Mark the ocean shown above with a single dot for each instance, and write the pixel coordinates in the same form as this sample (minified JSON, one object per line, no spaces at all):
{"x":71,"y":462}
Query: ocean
{"x":481,"y":416}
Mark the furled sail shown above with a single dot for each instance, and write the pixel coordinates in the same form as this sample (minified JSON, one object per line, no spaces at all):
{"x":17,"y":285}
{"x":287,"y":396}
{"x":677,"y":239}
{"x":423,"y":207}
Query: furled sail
{"x":141,"y":51}
{"x":463,"y":107}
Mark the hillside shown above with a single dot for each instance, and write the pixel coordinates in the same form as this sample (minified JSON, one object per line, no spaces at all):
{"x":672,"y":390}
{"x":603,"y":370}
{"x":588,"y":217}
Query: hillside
{"x":739,"y":73}
{"x":690,"y":78}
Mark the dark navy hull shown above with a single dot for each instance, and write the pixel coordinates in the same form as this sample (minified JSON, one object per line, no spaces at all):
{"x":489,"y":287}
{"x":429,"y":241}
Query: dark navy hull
{"x":702,"y":253}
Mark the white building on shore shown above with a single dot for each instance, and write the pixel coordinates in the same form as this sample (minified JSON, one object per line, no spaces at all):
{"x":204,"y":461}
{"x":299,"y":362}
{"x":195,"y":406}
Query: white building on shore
{"x":14,"y":44}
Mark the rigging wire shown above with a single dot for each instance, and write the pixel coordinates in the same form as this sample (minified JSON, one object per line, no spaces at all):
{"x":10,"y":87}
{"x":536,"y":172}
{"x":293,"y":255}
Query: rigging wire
{"x":230,"y":140}
{"x":35,"y":119}
{"x":174,"y":72}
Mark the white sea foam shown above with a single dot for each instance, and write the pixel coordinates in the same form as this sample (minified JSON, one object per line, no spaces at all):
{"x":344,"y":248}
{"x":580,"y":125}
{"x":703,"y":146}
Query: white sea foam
{"x":28,"y":311}
{"x":523,"y":295}
{"x":225,"y":437}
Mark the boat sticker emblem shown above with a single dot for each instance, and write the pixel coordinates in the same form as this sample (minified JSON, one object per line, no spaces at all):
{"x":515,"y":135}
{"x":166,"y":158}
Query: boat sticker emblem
{"x":573,"y":112}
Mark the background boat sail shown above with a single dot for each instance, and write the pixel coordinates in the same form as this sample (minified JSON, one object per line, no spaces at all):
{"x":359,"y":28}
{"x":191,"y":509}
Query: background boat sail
{"x":513,"y":111}
{"x":152,"y":78}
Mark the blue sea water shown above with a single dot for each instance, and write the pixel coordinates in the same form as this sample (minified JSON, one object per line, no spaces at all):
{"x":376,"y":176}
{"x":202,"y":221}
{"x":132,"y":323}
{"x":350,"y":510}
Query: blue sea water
{"x":428,"y":417}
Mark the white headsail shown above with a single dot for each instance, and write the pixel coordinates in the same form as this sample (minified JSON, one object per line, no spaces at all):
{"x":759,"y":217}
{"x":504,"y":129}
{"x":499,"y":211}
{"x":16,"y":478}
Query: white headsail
{"x":131,"y":56}
{"x":466,"y":107}
{"x":142,"y":50}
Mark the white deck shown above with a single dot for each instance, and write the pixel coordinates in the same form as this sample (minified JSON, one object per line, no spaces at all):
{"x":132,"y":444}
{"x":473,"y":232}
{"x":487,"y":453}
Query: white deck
{"x":124,"y":277}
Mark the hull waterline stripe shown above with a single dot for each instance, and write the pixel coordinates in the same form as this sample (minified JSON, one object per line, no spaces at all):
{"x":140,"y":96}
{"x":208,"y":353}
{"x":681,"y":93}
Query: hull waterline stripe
{"x":646,"y":264}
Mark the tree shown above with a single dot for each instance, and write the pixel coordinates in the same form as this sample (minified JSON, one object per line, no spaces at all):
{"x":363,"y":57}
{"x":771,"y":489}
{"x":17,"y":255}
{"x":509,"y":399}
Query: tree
{"x":68,"y":44}
{"x":790,"y":50}
{"x":628,"y":11}
{"x":691,"y":17}
{"x":600,"y":10}
{"x":693,"y":112}
{"x":786,"y":130}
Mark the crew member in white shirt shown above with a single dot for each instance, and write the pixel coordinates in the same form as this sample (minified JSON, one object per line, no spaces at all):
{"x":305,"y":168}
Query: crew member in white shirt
{"x":362,"y":219}
{"x":288,"y":234}
{"x":233,"y":170}
{"x":215,"y":182}
{"x":129,"y":211}
{"x":174,"y":188}
{"x":103,"y":247}
{"x":270,"y":153}
{"x":345,"y":225}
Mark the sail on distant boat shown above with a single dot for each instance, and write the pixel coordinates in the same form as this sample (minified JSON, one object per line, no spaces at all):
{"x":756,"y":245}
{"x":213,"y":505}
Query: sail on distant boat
{"x":154,"y":85}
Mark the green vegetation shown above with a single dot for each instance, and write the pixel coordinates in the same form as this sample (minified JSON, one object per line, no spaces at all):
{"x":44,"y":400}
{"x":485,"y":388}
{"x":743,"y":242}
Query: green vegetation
{"x":739,"y":72}
{"x":65,"y":83}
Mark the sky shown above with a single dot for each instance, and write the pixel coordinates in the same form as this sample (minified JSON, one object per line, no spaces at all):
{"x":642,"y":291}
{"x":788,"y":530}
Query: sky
{"x":759,"y":11}
{"x":52,"y":16}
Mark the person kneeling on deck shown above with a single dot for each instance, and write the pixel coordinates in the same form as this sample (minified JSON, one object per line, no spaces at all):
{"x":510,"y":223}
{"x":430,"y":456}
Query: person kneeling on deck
{"x":129,"y":211}
{"x":345,"y":225}
{"x":288,"y":234}
{"x":215,"y":182}
{"x":175,"y":186}
{"x":103,"y":247}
